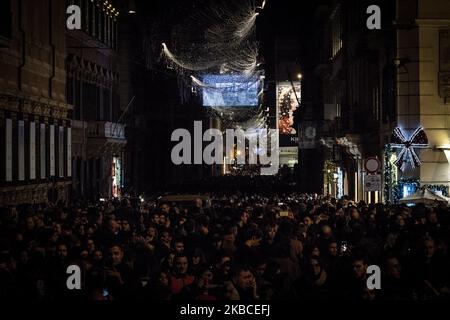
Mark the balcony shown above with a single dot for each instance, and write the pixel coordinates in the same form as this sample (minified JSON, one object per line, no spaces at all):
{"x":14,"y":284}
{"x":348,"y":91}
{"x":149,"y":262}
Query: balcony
{"x":104,"y":129}
{"x":104,"y":138}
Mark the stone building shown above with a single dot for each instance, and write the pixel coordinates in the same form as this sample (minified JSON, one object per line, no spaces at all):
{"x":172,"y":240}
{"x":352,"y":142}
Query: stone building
{"x":35,"y":130}
{"x":354,"y":69}
{"x":92,"y":82}
{"x":372,"y":81}
{"x":423,"y":86}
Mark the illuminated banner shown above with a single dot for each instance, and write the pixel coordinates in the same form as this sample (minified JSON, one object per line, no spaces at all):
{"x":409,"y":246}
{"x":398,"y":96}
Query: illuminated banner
{"x":61,"y":152}
{"x":288,"y":97}
{"x":52,"y":150}
{"x":32,"y":150}
{"x":8,"y":144}
{"x":116,"y":176}
{"x":69,"y":152}
{"x":21,"y":151}
{"x":42,"y":151}
{"x":230,"y":91}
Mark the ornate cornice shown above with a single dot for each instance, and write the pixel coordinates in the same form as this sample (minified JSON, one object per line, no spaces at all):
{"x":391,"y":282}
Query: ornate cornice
{"x":90,"y":72}
{"x":39,"y":106}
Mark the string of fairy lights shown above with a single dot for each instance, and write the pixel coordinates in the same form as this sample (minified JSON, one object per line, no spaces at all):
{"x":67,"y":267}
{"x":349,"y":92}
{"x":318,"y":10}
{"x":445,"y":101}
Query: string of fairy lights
{"x":220,"y":38}
{"x":108,"y":8}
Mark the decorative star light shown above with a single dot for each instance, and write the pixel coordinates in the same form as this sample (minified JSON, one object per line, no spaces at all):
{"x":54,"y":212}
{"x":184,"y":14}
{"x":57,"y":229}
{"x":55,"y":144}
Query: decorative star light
{"x":407,"y":154}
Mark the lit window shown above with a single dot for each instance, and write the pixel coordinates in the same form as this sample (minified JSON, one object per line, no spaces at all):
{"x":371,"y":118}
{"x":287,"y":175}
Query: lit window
{"x":336,"y":31}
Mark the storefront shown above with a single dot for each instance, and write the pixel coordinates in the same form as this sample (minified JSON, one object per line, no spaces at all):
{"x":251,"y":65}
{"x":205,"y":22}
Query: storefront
{"x":334,"y":180}
{"x":116,"y":174}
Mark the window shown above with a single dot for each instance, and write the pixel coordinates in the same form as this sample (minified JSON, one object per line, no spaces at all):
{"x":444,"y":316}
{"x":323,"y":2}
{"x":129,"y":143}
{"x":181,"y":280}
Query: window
{"x":98,"y":168}
{"x":21,"y":150}
{"x":444,"y":64}
{"x":69,"y":90}
{"x":107,"y":33}
{"x":42,"y":153}
{"x":89,"y":96}
{"x":115,"y":106}
{"x":98,"y":23}
{"x":111,"y":28}
{"x":115,"y":34}
{"x":32,"y":153}
{"x":52,"y":150}
{"x":336,"y":31}
{"x":92,"y":19}
{"x":100,"y":104}
{"x":5,"y":19}
{"x":69,"y":151}
{"x":9,"y":150}
{"x":84,"y":20}
{"x":107,"y":103}
{"x":102,"y":26}
{"x":61,"y":152}
{"x":76,"y":100}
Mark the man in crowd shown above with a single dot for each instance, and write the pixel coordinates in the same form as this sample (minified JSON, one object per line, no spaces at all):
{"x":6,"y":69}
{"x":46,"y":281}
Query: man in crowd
{"x":129,"y":251}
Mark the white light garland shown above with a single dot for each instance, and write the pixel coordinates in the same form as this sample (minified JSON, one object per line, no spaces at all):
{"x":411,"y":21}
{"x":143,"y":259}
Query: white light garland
{"x":227,"y":47}
{"x":418,"y":139}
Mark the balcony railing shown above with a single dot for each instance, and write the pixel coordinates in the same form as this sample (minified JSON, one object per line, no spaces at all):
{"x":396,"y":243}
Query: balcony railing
{"x":103,"y":129}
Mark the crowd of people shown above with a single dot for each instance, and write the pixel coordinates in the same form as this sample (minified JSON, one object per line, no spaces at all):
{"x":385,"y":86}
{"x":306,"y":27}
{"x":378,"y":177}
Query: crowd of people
{"x":248,"y":179}
{"x":236,"y":247}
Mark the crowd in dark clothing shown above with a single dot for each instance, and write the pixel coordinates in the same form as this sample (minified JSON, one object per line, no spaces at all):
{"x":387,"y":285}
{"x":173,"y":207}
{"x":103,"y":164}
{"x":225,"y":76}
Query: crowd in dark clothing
{"x":285,"y":181}
{"x":242,"y":247}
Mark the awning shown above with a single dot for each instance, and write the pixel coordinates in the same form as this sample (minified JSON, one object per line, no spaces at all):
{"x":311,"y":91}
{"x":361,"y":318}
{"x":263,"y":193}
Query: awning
{"x":424,"y":196}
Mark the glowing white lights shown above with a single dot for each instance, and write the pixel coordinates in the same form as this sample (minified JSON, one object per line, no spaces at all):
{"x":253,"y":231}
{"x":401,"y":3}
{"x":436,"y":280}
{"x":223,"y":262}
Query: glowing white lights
{"x":407,"y":154}
{"x":229,"y":47}
{"x":262,"y":5}
{"x":228,"y":43}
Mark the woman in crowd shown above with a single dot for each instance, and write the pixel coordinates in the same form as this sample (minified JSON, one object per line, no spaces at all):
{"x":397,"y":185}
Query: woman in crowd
{"x":246,"y":246}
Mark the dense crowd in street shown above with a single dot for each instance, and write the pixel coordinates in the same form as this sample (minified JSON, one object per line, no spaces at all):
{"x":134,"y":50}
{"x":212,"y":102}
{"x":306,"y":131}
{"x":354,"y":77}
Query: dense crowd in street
{"x":241,"y":247}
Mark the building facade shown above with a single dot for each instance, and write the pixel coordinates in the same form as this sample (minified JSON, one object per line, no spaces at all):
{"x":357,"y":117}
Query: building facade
{"x":160,"y":103}
{"x":423,"y":88}
{"x":35,"y":130}
{"x":374,"y":81}
{"x":354,"y":71}
{"x":92,"y":85}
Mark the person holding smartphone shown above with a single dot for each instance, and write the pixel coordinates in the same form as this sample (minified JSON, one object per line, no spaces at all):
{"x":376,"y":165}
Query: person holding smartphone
{"x":119,"y":275}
